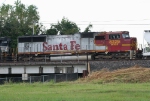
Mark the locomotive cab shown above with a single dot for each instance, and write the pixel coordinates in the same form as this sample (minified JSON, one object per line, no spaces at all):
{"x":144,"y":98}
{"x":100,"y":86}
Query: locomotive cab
{"x":117,"y":44}
{"x":122,"y":44}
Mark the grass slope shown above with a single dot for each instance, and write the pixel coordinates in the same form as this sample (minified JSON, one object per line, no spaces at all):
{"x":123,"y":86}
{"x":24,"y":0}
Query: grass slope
{"x":126,"y":75}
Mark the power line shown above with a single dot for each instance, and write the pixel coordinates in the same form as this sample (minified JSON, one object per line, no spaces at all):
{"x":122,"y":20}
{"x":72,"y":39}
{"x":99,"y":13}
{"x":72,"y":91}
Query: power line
{"x":104,"y":20}
{"x":103,"y":24}
{"x":3,"y":2}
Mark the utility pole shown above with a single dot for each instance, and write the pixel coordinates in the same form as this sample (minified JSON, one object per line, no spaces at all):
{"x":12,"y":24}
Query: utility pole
{"x":0,"y":23}
{"x":33,"y":28}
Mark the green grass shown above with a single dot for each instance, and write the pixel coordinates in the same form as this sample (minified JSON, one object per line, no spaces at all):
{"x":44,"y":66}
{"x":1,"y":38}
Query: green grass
{"x":75,"y":92}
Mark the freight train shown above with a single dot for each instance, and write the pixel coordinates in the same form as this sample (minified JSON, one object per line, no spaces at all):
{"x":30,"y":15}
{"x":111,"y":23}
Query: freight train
{"x":79,"y":46}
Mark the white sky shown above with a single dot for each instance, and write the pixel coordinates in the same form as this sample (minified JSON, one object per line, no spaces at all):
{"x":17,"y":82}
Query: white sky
{"x":96,"y":12}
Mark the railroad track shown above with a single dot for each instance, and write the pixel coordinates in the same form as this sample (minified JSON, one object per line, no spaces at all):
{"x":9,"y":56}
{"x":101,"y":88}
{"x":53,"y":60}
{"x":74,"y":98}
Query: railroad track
{"x":62,"y":61}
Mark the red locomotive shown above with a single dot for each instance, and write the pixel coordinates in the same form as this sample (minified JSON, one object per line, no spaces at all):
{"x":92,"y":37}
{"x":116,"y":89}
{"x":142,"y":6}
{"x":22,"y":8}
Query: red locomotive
{"x":118,"y":44}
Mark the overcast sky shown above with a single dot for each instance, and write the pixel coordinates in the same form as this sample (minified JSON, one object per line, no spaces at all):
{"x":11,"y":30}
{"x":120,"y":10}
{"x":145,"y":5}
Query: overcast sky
{"x":130,"y":15}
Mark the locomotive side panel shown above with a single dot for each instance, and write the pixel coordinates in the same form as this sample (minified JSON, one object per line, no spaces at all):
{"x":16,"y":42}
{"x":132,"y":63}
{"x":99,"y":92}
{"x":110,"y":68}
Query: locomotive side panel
{"x":91,"y":42}
{"x":99,"y":43}
{"x":21,"y":47}
{"x":85,"y":43}
{"x":36,"y":47}
{"x":61,"y":44}
{"x":31,"y":44}
{"x":114,"y":42}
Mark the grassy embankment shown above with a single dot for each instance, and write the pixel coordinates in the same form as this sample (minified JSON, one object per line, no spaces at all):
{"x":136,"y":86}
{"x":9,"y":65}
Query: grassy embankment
{"x":119,"y":85}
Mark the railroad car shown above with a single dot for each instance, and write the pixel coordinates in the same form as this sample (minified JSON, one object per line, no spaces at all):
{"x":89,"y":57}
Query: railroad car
{"x":79,"y":46}
{"x":4,"y":48}
{"x":146,"y":48}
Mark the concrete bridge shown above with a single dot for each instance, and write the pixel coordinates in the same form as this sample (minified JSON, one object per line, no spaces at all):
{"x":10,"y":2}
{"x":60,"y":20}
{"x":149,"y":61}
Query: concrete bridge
{"x":30,"y":68}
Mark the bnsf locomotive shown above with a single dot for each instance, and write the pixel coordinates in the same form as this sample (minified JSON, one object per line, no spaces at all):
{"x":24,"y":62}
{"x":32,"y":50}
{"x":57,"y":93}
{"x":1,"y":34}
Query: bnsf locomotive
{"x":80,"y":46}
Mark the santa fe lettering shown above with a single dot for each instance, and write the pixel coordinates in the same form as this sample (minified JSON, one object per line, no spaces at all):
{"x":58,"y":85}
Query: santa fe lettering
{"x":60,"y":46}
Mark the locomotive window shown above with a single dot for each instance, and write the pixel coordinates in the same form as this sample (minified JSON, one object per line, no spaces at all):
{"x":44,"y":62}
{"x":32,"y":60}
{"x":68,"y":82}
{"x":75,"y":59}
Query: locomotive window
{"x":39,"y":39}
{"x":125,"y":35}
{"x":114,"y":36}
{"x":99,"y":37}
{"x":26,"y":39}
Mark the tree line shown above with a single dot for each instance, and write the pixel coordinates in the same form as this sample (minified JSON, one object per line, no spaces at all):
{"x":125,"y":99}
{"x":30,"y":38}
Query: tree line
{"x":19,"y":20}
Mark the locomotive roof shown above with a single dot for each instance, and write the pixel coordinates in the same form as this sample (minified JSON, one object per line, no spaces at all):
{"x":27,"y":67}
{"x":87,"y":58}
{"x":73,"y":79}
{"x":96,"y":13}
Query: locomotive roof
{"x":32,"y":36}
{"x":117,"y":32}
{"x":88,"y":34}
{"x":91,"y":34}
{"x":109,"y":32}
{"x":83,"y":34}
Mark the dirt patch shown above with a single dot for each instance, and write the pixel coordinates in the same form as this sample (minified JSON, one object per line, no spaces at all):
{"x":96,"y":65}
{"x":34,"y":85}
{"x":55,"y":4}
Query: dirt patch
{"x":132,"y":74}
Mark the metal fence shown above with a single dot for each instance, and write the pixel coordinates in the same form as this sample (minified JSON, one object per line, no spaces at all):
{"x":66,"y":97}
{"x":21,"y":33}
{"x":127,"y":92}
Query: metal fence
{"x":43,"y":78}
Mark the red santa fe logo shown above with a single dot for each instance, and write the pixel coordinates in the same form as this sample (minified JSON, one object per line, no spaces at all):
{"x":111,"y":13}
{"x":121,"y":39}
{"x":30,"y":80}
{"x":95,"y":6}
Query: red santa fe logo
{"x":60,"y":46}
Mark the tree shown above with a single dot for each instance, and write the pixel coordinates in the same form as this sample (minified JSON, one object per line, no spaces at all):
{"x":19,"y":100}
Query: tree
{"x":16,"y":20}
{"x":87,"y":29}
{"x":65,"y":27}
{"x":52,"y":30}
